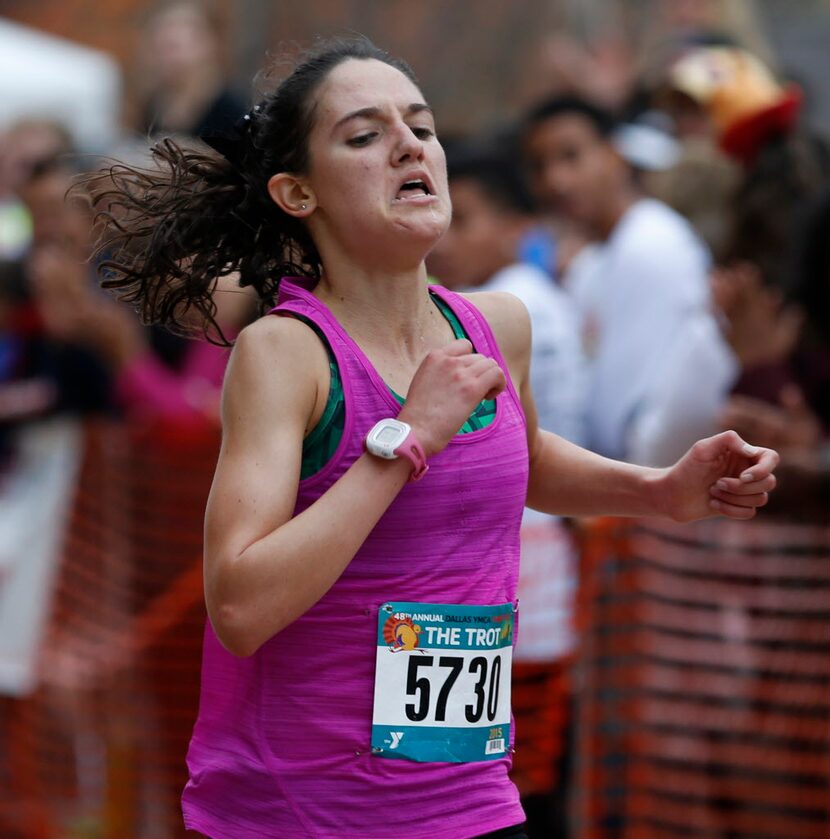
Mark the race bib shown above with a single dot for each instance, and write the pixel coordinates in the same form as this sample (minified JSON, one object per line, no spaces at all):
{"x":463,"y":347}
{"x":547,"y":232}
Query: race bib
{"x":442,"y":682}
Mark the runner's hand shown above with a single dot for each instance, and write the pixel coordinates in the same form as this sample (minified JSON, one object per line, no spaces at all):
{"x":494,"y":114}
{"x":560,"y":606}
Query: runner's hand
{"x":445,"y":390}
{"x":721,"y":475}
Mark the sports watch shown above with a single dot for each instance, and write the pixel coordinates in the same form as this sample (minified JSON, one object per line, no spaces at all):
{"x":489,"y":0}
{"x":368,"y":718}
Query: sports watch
{"x":391,"y":438}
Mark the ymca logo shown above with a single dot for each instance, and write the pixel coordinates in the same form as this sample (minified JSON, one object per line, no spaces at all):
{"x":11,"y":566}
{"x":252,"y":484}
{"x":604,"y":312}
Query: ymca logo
{"x":396,"y":738}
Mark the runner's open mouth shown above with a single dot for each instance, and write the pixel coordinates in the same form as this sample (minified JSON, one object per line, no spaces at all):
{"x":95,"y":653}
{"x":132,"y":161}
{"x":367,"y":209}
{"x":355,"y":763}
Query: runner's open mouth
{"x":412,"y":189}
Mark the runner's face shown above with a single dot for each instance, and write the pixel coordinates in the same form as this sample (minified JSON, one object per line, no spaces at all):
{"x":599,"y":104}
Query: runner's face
{"x":572,"y":167}
{"x":377,"y":170}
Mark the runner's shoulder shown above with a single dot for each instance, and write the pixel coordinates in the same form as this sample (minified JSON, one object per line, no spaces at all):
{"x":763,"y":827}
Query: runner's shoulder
{"x":275,"y":339}
{"x":275,"y":357}
{"x":498,"y":305}
{"x":508,"y":318}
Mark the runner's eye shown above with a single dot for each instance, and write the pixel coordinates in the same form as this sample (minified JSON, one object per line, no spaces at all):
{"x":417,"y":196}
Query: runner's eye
{"x":362,"y":139}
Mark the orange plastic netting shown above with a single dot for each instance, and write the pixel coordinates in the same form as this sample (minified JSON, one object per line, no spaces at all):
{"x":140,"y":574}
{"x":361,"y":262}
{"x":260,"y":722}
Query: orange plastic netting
{"x":98,"y":749}
{"x":704,"y":681}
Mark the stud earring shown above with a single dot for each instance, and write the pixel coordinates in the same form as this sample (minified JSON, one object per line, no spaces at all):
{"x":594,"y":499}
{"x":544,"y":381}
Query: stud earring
{"x":303,"y":206}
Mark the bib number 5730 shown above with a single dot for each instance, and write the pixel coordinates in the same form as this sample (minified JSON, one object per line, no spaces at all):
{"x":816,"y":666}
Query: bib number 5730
{"x":485,"y":688}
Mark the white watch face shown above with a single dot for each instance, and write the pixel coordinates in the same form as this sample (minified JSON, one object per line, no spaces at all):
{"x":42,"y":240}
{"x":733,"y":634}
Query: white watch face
{"x":386,"y":436}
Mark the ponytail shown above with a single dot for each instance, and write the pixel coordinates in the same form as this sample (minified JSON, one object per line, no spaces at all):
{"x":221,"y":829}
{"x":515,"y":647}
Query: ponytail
{"x":172,"y":230}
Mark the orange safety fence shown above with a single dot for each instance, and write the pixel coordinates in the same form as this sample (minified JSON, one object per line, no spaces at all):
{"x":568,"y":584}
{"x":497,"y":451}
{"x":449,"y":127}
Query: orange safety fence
{"x":97,"y":750}
{"x":703,"y":681}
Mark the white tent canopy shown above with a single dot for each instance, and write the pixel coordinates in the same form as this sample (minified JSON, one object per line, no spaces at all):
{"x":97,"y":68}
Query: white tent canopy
{"x":45,"y":76}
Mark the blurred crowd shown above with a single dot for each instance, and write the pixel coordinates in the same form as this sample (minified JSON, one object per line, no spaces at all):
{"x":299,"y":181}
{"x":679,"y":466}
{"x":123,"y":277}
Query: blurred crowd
{"x":66,"y":346}
{"x":667,"y":226}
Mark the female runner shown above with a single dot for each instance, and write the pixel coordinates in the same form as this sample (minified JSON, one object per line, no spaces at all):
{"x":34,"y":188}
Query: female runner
{"x":379,"y":445}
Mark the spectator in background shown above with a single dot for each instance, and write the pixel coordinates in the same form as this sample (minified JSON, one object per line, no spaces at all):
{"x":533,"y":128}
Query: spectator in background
{"x":186,"y":92}
{"x":728,"y":94}
{"x":700,"y":187}
{"x":49,"y":382}
{"x":22,"y":146}
{"x":44,"y":356}
{"x":754,"y":120}
{"x":492,"y":213}
{"x":785,"y":396}
{"x":157,"y":375}
{"x":92,"y":349}
{"x":762,"y":290}
{"x":642,"y":289}
{"x":799,"y":419}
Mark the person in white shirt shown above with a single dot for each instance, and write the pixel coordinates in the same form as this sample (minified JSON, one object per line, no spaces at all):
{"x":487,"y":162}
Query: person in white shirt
{"x":658,"y":361}
{"x":492,"y":212}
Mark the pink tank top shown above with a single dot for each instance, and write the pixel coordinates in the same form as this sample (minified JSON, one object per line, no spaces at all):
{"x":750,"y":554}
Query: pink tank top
{"x":281,"y":747}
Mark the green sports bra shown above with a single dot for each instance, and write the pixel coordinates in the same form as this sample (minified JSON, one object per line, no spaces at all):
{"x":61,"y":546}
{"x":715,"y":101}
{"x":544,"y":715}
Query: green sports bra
{"x":321,"y":443}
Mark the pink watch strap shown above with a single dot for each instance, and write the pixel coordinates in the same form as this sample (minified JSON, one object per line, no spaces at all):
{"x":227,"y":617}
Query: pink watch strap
{"x":412,"y":450}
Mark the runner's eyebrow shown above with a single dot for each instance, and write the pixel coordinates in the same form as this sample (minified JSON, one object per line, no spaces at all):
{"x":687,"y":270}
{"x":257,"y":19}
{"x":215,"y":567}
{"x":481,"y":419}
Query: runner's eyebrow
{"x":373,"y":112}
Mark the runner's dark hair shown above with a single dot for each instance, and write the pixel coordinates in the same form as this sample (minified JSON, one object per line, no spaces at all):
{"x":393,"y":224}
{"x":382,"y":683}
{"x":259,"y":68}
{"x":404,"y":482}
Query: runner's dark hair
{"x":173,"y":228}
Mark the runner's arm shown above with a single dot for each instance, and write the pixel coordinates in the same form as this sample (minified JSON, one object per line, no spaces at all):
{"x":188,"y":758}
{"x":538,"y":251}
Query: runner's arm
{"x":263,"y":568}
{"x":568,"y":480}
